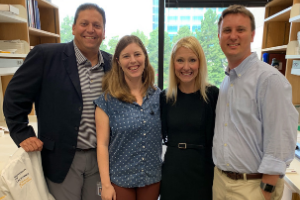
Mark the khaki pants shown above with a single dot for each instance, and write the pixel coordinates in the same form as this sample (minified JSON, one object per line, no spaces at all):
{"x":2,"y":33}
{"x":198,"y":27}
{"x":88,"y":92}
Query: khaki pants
{"x":225,"y":188}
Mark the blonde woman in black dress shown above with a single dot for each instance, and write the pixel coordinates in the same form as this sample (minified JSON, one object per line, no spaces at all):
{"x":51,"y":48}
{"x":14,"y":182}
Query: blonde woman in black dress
{"x":188,"y":116}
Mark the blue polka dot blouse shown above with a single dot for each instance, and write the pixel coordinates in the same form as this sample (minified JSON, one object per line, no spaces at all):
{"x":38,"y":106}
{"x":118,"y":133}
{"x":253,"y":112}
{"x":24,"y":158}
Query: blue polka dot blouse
{"x":135,"y":145}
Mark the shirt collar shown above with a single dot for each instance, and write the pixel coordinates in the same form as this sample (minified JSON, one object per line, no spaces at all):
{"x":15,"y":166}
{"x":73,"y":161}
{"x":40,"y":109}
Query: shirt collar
{"x":81,"y":59}
{"x":241,"y":69}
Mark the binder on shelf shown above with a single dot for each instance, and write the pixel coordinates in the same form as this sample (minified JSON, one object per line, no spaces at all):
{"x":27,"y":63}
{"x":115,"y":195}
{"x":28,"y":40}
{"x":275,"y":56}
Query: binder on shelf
{"x":9,"y":9}
{"x":5,"y":63}
{"x":33,"y":14}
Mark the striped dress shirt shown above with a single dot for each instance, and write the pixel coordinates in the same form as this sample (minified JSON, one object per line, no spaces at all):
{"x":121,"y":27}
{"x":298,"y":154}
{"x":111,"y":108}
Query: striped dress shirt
{"x":91,"y":87}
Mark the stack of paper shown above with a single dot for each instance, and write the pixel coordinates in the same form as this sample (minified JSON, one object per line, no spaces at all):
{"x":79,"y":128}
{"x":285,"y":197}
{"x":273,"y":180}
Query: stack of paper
{"x":13,"y":46}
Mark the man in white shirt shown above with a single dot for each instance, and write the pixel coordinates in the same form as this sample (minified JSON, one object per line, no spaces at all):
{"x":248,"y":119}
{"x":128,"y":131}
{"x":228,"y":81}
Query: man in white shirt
{"x":256,"y":122}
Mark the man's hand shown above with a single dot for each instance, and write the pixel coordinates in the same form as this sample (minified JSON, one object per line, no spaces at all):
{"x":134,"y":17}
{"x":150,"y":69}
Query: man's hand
{"x":267,"y":195}
{"x":32,"y":144}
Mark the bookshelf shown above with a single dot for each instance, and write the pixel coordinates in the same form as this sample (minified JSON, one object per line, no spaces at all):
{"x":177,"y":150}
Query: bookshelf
{"x":281,"y":25}
{"x":16,"y":27}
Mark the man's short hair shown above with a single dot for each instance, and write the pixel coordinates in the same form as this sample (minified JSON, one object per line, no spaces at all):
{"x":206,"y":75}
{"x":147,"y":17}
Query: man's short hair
{"x":86,"y":6}
{"x":237,"y":9}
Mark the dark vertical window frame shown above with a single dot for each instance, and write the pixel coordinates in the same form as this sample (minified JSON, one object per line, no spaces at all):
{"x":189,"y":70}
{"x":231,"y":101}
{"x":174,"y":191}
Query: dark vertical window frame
{"x":161,"y":30}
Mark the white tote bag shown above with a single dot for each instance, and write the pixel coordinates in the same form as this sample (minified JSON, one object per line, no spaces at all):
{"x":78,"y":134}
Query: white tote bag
{"x":22,"y":178}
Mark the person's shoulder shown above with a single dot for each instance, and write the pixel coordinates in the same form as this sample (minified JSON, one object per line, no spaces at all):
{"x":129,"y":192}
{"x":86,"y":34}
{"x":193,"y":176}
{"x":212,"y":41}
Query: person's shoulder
{"x":266,"y":71}
{"x":49,"y":48}
{"x":106,"y":54}
{"x":163,"y":93}
{"x":212,"y":89}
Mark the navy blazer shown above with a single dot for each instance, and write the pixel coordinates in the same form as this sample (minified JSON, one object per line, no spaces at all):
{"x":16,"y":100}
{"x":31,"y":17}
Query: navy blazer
{"x":49,"y":79}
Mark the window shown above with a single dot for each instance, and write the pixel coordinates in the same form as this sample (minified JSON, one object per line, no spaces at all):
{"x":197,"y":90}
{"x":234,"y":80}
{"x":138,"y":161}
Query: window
{"x":172,"y":28}
{"x":171,"y":19}
{"x":197,"y":18}
{"x":185,"y":18}
{"x":194,"y":27}
{"x":155,"y":10}
{"x":207,"y":34}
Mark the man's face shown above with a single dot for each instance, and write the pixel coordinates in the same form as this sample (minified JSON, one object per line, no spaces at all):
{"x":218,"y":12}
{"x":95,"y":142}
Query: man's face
{"x":88,"y":31}
{"x":235,"y":36}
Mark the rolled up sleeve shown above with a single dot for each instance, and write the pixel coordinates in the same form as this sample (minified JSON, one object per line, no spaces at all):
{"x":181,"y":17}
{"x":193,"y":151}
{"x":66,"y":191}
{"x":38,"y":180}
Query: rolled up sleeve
{"x":279,"y":124}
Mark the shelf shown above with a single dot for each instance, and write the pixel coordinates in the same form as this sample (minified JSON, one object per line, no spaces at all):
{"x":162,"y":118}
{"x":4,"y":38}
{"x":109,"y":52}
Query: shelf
{"x":280,"y":3}
{"x":292,"y":57}
{"x":281,"y":16}
{"x":46,"y":4}
{"x":295,"y":19}
{"x":278,"y":48}
{"x":38,"y":32}
{"x":10,"y":55}
{"x":8,"y":70}
{"x":9,"y":18}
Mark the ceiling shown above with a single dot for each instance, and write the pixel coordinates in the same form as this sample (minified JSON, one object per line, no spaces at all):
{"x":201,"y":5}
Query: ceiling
{"x":214,"y":3}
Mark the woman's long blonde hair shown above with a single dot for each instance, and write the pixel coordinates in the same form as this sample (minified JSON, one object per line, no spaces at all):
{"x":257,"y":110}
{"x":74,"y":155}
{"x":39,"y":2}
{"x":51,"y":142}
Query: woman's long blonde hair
{"x":114,"y":82}
{"x":201,"y":82}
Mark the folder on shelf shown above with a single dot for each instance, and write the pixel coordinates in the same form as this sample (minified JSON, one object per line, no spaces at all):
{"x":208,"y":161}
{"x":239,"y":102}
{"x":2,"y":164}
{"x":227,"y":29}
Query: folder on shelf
{"x":9,"y":9}
{"x":5,"y":62}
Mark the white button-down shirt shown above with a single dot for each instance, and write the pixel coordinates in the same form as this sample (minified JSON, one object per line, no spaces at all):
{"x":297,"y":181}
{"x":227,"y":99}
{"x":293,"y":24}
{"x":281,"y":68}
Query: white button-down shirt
{"x":256,"y":122}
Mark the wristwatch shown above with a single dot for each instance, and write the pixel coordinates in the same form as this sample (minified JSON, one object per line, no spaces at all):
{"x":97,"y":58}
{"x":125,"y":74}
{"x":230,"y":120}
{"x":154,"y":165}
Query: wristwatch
{"x":267,"y":187}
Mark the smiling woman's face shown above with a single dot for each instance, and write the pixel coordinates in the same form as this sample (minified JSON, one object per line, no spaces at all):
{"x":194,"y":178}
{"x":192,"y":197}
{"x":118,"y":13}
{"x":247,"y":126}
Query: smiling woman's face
{"x":186,"y":66}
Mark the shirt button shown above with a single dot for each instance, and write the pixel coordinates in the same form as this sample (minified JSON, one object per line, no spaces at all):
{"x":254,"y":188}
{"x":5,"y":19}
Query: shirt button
{"x":225,"y":145}
{"x":76,"y":128}
{"x":142,"y":110}
{"x":225,"y":124}
{"x":145,"y":134}
{"x":91,"y":81}
{"x":227,"y":104}
{"x":227,"y":164}
{"x":144,"y":122}
{"x":239,"y":75}
{"x":142,"y":170}
{"x":231,"y":85}
{"x":79,"y":108}
{"x":144,"y":147}
{"x":143,"y":158}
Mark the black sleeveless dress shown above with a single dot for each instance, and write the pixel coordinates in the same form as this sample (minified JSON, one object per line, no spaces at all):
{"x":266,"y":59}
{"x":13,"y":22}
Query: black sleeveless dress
{"x":187,"y":174}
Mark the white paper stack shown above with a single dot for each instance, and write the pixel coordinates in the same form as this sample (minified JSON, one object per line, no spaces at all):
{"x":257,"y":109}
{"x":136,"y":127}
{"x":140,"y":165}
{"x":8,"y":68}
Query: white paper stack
{"x":9,"y":9}
{"x":17,"y":45}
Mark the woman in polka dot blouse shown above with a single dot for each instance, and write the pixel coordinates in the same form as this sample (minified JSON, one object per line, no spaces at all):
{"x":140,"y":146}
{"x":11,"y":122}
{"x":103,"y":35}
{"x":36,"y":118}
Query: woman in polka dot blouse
{"x":128,"y":126}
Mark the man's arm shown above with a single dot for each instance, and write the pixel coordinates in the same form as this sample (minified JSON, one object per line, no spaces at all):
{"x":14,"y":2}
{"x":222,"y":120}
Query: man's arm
{"x":279,"y":123}
{"x":20,"y":94}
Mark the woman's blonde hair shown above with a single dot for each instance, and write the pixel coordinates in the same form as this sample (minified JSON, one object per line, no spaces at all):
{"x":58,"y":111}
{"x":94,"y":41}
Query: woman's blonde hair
{"x":200,"y":80}
{"x":114,"y":82}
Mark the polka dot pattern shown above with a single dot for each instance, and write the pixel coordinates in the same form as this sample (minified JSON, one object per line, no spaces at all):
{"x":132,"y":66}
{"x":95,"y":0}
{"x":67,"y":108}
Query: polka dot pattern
{"x":135,"y":145}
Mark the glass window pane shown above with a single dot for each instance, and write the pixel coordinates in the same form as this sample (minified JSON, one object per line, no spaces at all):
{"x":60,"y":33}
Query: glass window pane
{"x":203,"y":24}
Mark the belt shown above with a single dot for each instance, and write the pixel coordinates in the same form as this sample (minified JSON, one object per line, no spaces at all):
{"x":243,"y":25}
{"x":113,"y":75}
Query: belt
{"x":184,"y":145}
{"x":90,"y":149}
{"x":237,"y":176}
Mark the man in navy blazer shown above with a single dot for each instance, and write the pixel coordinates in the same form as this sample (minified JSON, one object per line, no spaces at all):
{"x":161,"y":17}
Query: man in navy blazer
{"x":62,"y":80}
